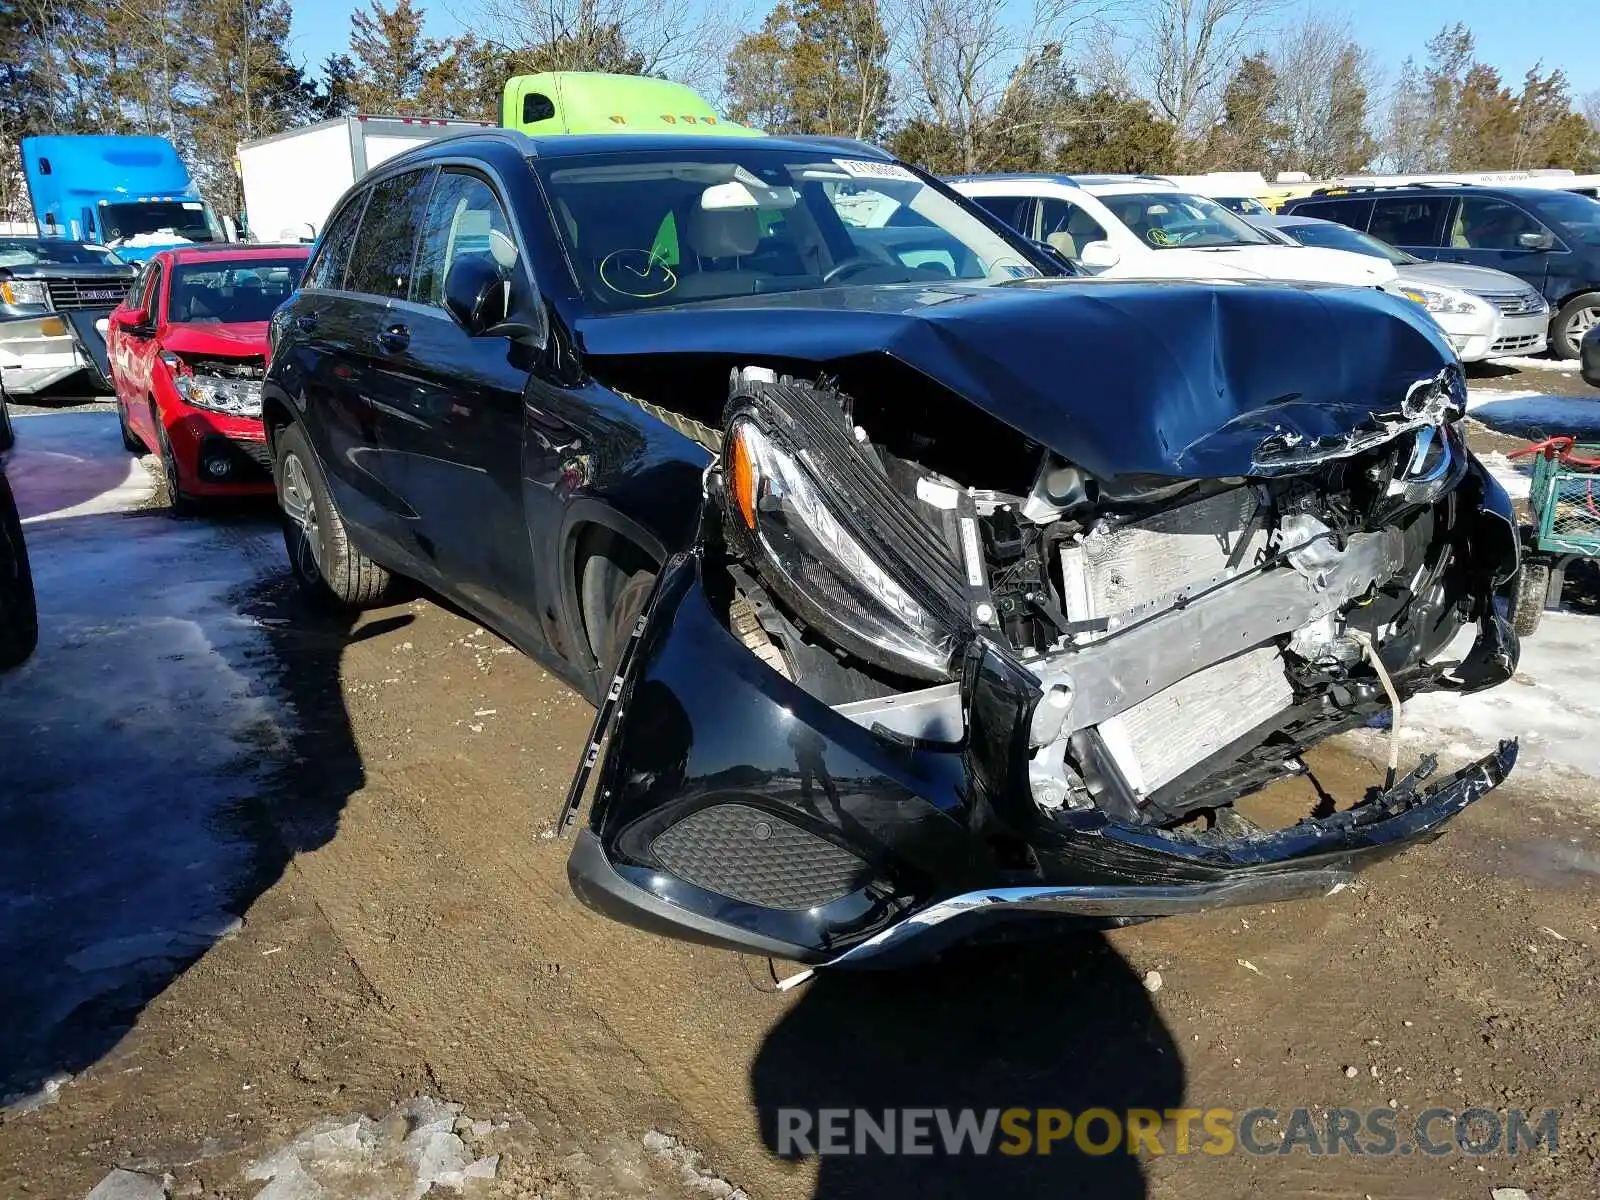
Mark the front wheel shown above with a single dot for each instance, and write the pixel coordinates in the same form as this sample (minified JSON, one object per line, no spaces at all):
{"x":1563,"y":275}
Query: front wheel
{"x":1525,"y":604}
{"x":178,"y":503}
{"x":326,"y":565}
{"x":130,"y":440}
{"x":1576,"y":318}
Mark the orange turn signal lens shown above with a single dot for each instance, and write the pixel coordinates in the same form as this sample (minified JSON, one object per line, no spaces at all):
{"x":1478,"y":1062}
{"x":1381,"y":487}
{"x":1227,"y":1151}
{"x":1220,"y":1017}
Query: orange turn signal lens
{"x":742,"y":479}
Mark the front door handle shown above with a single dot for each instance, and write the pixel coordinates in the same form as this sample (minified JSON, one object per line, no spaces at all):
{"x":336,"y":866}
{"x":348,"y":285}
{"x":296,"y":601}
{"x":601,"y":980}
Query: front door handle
{"x":395,"y":338}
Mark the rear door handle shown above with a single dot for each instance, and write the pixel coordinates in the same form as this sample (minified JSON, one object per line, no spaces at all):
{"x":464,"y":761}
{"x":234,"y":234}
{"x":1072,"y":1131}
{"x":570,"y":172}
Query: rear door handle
{"x":395,"y":338}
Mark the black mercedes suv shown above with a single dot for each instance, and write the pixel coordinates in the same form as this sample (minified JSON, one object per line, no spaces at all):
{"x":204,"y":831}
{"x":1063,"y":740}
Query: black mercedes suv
{"x":921,"y":588}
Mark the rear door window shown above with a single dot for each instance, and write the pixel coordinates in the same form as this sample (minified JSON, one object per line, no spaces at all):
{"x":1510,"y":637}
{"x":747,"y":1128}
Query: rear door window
{"x":1410,"y":220}
{"x":380,"y":260}
{"x":333,"y":259}
{"x":1010,"y":209}
{"x":1354,"y":213}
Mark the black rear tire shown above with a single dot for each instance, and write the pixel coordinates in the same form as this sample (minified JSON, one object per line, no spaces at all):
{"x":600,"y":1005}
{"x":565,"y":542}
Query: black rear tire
{"x":8,"y":432}
{"x":325,"y":563}
{"x":19,"y":614}
{"x":1525,"y":603}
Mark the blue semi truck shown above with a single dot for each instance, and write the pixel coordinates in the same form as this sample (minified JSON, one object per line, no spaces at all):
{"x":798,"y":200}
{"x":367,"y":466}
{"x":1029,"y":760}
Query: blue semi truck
{"x":132,"y":193}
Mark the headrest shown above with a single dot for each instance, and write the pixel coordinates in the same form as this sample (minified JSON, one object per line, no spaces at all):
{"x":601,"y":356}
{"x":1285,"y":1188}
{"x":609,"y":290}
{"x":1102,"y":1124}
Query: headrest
{"x":723,"y":232}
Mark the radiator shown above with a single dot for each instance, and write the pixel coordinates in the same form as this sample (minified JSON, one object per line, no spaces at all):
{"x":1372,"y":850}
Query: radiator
{"x":1114,"y":570}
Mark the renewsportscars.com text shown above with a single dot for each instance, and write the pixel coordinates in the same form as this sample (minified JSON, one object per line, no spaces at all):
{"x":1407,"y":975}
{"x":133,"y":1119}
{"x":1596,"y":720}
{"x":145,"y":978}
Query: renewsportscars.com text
{"x":806,"y":1133}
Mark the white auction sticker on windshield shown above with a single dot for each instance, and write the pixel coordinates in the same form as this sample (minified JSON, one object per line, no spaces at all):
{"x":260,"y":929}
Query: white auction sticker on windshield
{"x":193,"y":204}
{"x":864,"y":169}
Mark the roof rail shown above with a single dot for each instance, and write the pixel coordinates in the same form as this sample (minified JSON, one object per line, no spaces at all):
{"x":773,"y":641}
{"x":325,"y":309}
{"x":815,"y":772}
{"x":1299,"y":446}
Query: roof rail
{"x":1350,"y":189}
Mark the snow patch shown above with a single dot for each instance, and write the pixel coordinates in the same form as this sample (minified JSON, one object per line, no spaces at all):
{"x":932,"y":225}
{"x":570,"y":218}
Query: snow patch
{"x":1539,"y":364}
{"x":1536,"y":415}
{"x":1550,"y":704}
{"x":1515,"y":475}
{"x":413,"y":1149}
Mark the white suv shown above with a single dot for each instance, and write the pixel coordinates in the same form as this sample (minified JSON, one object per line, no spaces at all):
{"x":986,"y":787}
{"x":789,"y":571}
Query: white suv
{"x":1133,"y":226}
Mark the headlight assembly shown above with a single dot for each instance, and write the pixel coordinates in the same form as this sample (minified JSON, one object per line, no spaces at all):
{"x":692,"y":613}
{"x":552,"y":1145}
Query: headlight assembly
{"x":233,"y":397}
{"x":817,"y":565}
{"x":1436,"y":300}
{"x":23,"y":291}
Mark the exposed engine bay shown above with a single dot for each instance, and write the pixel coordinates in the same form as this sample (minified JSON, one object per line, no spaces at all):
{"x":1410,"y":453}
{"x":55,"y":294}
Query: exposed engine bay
{"x":1188,"y":637}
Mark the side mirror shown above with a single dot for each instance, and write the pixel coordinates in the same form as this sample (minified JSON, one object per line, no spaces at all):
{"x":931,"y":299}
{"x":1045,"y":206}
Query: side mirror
{"x":476,"y":295}
{"x":135,"y":322}
{"x":1541,"y":240}
{"x":1100,"y":256}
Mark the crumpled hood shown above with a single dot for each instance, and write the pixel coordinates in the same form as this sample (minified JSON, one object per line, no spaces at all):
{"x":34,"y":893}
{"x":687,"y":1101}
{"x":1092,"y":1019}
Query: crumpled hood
{"x":239,"y":341}
{"x":1163,"y":378}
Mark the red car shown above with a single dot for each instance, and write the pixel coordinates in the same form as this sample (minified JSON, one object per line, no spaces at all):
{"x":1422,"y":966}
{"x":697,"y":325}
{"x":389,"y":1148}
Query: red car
{"x":188,"y":348}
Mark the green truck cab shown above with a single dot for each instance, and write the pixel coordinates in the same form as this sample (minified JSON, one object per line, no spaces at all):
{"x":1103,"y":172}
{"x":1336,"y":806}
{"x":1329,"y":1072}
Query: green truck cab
{"x":593,"y":102}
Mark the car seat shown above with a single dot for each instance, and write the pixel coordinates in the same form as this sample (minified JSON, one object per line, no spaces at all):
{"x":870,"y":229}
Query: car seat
{"x":719,"y":238}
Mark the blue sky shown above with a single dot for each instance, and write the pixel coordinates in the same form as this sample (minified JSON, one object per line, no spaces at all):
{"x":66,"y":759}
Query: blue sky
{"x":1512,"y":35}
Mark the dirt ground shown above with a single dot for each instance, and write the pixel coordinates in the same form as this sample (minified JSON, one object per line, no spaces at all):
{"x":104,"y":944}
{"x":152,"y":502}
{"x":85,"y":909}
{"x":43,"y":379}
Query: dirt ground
{"x":408,"y":932}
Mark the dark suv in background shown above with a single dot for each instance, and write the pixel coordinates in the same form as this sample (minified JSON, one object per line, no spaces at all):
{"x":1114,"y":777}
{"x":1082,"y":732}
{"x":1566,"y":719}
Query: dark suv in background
{"x":1548,"y":239}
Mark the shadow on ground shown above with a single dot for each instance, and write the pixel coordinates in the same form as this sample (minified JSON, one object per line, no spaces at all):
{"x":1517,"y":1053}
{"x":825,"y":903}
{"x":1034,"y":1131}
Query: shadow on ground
{"x":1062,"y":1025}
{"x":178,"y":736}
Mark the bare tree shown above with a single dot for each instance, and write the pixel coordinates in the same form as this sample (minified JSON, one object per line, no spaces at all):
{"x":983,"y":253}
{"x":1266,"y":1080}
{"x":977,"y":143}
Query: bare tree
{"x":643,"y":37}
{"x":1190,"y":48}
{"x":968,"y":62}
{"x":1325,"y":89}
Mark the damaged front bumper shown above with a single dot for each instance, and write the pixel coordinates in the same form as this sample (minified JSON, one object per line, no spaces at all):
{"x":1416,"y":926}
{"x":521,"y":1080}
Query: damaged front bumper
{"x":735,"y":809}
{"x":45,"y":349}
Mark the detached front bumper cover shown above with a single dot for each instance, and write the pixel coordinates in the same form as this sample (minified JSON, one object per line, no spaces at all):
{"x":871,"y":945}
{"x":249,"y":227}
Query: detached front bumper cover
{"x":701,"y":727}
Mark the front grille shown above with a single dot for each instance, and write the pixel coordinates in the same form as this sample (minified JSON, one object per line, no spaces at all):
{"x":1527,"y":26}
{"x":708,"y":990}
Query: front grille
{"x":746,"y":854}
{"x":1524,"y":341}
{"x":85,"y":293}
{"x":1514,"y":304}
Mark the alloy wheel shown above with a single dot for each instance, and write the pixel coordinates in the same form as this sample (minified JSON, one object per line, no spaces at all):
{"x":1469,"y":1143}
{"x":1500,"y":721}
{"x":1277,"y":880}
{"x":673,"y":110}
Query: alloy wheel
{"x":1582,"y":321}
{"x":300,"y":506}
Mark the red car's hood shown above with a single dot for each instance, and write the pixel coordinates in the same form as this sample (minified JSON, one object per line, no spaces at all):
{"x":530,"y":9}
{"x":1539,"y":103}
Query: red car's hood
{"x":245,"y":338}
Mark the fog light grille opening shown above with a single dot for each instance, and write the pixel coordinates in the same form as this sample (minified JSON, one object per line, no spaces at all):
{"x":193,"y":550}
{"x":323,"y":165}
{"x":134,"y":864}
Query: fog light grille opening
{"x":754,"y":856}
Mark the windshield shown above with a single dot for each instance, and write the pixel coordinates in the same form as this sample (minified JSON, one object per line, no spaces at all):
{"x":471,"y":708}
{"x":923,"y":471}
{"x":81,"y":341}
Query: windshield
{"x":657,"y":227}
{"x":1578,"y":216}
{"x":233,"y":293}
{"x":26,"y":252}
{"x":1332,"y":236}
{"x":188,"y":219}
{"x":1172,"y":220}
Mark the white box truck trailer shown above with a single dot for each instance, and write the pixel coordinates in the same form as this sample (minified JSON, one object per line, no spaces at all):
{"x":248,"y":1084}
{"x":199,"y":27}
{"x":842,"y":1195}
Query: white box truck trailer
{"x":292,"y":180}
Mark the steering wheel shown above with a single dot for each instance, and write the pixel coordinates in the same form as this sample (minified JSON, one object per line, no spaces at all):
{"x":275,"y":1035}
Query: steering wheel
{"x":850,"y":266}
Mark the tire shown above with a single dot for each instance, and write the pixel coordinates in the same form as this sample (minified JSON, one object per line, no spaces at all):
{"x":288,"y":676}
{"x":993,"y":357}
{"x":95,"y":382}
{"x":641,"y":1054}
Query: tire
{"x":131,"y":441}
{"x":8,"y":432}
{"x":19,"y":614}
{"x":178,"y":504}
{"x":1525,"y":601}
{"x":618,"y":628}
{"x":326,"y":565}
{"x":1567,"y":330}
